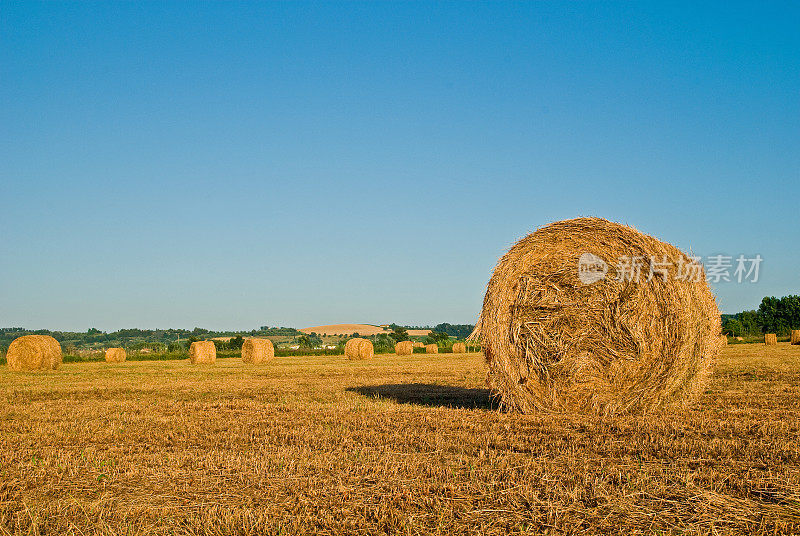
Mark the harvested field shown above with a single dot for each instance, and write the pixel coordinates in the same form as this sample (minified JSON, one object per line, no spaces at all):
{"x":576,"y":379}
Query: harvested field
{"x":408,"y":445}
{"x":418,"y":332}
{"x":346,"y":329}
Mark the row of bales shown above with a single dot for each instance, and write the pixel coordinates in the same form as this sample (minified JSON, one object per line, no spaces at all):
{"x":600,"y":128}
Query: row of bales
{"x":770,"y":339}
{"x":32,"y":352}
{"x":359,"y":348}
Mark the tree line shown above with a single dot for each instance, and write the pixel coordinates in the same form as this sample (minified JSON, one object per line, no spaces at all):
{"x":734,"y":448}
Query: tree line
{"x":157,"y":339}
{"x":774,"y":315}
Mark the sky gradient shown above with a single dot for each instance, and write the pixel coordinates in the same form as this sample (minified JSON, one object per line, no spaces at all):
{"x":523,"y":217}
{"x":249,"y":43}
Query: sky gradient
{"x":230,"y":166}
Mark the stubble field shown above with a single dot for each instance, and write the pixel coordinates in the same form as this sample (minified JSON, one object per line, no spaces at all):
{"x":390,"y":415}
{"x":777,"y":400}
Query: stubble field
{"x":400,"y":445}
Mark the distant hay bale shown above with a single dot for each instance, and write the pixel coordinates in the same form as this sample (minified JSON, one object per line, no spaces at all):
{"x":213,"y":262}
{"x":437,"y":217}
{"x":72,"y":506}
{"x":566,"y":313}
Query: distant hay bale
{"x":257,"y":351}
{"x":404,"y":348}
{"x":796,"y":336}
{"x":564,"y":326}
{"x":431,"y":349}
{"x":739,"y":338}
{"x":770,"y":339}
{"x":358,"y":349}
{"x":459,"y":348}
{"x":418,"y":344}
{"x":202,"y":352}
{"x":34,"y":352}
{"x":115,"y":355}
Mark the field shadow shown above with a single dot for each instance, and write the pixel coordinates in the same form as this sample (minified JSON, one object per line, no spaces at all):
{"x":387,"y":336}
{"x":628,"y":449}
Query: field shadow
{"x":424,"y":394}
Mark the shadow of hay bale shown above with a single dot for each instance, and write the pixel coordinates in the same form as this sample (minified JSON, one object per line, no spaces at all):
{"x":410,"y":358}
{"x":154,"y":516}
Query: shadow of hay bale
{"x":423,"y":394}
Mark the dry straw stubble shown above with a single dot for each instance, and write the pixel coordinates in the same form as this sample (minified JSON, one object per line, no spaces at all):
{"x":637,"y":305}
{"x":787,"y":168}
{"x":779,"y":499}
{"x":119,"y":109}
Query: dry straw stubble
{"x":358,"y":349}
{"x":202,"y":352}
{"x":257,"y":351}
{"x":34,"y":352}
{"x":404,"y":348}
{"x":115,"y":355}
{"x":557,"y":341}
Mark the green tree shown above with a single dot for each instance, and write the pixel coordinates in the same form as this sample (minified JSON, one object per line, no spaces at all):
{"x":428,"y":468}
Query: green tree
{"x":304,"y":341}
{"x":437,"y":337}
{"x":732,"y":327}
{"x":399,"y":334}
{"x":751,"y":323}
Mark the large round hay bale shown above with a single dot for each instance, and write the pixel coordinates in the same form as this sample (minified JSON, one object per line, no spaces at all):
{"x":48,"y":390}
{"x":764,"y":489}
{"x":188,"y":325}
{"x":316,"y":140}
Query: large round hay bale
{"x":34,"y":352}
{"x":564,"y":326}
{"x":358,"y":349}
{"x":202,"y":352}
{"x":770,"y":339}
{"x":796,"y":336}
{"x":404,"y":348}
{"x":115,"y":355}
{"x":257,"y":351}
{"x":459,"y":348}
{"x":431,"y":349}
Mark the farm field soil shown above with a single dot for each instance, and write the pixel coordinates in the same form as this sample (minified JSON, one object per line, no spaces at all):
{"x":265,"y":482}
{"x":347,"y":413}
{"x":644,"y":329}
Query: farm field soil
{"x":390,"y":445}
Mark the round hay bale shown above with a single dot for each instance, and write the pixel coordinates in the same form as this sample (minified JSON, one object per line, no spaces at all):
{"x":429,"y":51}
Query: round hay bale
{"x":564,"y":327}
{"x":404,"y":348}
{"x":257,"y":351}
{"x":115,"y":355}
{"x":770,"y":339}
{"x":739,"y":338}
{"x":419,"y":344}
{"x":459,"y":348}
{"x":34,"y":352}
{"x":202,"y":352}
{"x":358,"y":349}
{"x":796,"y":336}
{"x":431,"y":349}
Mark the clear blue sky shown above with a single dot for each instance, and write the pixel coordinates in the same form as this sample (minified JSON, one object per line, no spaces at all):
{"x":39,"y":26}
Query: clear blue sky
{"x":233,"y":165}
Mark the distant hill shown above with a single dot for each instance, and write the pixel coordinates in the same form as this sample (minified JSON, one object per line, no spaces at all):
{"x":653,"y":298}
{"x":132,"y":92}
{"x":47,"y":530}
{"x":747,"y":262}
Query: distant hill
{"x":346,"y":329}
{"x":361,"y":329}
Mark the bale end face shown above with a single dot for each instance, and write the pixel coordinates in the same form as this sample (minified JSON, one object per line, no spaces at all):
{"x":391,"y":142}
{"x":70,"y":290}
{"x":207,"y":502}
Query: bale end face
{"x":770,"y":339}
{"x":115,"y":355}
{"x":257,"y":351}
{"x":358,"y":349}
{"x":404,"y":348}
{"x":565,"y":329}
{"x":202,"y":352}
{"x":34,"y":352}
